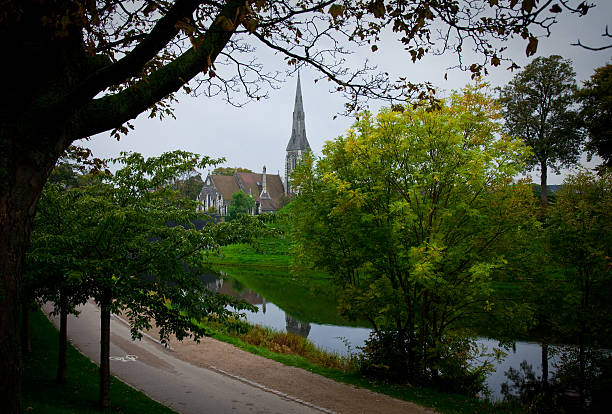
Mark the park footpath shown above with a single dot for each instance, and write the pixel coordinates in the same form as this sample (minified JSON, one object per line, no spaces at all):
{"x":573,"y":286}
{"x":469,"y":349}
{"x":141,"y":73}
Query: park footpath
{"x":215,"y":377}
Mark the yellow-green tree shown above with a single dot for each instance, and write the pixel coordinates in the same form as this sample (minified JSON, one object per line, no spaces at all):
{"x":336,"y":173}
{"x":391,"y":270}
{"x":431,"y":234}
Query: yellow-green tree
{"x":411,"y":211}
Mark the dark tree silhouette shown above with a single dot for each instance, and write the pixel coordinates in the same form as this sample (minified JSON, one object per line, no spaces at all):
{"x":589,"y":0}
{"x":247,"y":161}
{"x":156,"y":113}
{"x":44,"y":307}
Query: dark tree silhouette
{"x":539,"y":108}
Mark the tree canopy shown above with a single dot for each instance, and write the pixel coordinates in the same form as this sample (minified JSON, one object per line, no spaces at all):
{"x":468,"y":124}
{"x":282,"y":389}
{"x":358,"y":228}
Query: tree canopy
{"x":190,"y":186}
{"x":596,"y":112}
{"x":132,"y":243}
{"x":411,"y":211}
{"x":230,"y":170}
{"x":241,"y":204}
{"x":539,"y":107}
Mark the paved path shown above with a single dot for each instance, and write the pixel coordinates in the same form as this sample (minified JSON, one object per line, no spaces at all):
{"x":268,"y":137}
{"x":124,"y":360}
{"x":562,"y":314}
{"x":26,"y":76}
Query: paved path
{"x":216,"y":377}
{"x":184,"y":387}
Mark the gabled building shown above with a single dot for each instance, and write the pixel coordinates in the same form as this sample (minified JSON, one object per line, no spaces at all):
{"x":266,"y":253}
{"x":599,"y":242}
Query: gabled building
{"x":217,"y":191}
{"x":267,"y":190}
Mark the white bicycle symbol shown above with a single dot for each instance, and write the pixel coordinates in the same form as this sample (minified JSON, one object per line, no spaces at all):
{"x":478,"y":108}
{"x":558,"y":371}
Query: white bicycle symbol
{"x":126,"y":358}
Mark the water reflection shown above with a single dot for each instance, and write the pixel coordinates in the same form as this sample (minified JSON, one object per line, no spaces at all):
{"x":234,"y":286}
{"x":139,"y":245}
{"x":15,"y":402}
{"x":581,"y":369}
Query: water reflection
{"x":346,"y":339}
{"x":297,"y":327}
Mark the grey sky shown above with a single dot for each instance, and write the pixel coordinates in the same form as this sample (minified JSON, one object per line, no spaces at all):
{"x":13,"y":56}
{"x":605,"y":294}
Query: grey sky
{"x":257,"y":134}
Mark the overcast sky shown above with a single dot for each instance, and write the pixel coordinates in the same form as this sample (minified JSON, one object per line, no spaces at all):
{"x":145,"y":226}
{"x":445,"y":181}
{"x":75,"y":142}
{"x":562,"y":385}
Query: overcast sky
{"x":257,"y":134}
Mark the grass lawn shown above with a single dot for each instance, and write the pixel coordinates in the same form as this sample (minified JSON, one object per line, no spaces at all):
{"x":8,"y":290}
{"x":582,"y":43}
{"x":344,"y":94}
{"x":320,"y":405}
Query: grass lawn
{"x":41,"y":394}
{"x":268,"y":252}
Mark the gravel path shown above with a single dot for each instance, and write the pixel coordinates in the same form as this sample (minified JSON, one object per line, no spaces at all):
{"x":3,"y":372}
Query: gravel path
{"x":302,"y":385}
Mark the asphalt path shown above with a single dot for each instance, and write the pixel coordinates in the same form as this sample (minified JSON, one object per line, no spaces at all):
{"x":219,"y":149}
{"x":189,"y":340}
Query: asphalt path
{"x":149,"y":367}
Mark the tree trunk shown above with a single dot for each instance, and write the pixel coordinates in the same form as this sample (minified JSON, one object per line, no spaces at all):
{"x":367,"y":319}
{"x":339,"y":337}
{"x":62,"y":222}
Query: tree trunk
{"x":63,"y":338}
{"x":21,"y":182}
{"x":26,"y":344}
{"x":543,"y":184}
{"x":545,"y":365}
{"x":39,"y":119}
{"x":581,"y":371}
{"x":105,"y":349}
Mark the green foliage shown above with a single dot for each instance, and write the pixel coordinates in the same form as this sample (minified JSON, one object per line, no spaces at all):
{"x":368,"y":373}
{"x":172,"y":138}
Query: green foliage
{"x":65,"y":174}
{"x":230,"y":170}
{"x":129,"y":241}
{"x":189,"y":187}
{"x":241,"y":204}
{"x":581,"y":241}
{"x":596,"y":112}
{"x":570,"y":299}
{"x":411,"y":212}
{"x":538,"y":108}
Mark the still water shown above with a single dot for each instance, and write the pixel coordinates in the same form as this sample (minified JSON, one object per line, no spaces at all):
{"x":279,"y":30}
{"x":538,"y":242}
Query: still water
{"x":344,"y":339}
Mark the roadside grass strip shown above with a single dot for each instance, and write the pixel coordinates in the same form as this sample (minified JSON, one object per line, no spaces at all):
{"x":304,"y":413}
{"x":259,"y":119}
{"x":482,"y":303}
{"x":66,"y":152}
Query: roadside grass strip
{"x":42,"y":394}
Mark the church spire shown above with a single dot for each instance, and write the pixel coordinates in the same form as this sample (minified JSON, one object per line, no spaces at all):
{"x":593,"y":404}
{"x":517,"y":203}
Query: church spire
{"x":298,"y":139}
{"x":298,"y":144}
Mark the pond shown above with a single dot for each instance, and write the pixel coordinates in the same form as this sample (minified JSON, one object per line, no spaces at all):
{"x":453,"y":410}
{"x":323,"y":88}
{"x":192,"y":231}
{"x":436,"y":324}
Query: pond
{"x":275,"y":311}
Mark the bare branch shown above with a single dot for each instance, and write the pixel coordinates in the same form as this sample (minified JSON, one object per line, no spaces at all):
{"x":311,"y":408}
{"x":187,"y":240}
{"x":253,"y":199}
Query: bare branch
{"x":596,"y":49}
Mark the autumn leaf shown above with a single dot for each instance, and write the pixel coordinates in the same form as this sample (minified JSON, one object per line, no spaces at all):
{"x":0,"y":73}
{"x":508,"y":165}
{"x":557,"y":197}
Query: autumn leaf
{"x":250,"y":25}
{"x":555,"y":9}
{"x":225,"y":23}
{"x":377,"y":8}
{"x":528,"y":5}
{"x":532,"y":47}
{"x":336,"y":10}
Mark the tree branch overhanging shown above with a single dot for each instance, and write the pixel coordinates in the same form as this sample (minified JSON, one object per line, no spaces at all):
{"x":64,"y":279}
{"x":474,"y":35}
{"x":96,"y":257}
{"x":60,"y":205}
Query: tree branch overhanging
{"x":162,"y":33}
{"x":113,"y":110}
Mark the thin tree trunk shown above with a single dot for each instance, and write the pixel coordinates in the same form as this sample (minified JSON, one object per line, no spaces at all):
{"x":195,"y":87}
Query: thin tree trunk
{"x":63,"y":338}
{"x":543,"y":184}
{"x":581,"y":368}
{"x":545,"y":364}
{"x":582,"y":337}
{"x":105,"y":349}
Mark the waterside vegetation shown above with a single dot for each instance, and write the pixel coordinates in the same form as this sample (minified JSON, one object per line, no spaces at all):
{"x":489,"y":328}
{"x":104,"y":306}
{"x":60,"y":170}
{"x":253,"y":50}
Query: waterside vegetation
{"x":296,"y":351}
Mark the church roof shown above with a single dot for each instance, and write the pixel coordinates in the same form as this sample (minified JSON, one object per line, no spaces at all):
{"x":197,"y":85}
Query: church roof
{"x":251,"y":183}
{"x":298,"y":139}
{"x":225,"y":184}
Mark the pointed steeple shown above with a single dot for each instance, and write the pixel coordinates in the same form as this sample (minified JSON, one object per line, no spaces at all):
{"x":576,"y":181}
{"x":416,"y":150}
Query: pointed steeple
{"x":298,"y":139}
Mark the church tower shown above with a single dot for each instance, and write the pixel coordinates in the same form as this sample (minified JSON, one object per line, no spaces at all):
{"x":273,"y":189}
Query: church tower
{"x":298,"y":144}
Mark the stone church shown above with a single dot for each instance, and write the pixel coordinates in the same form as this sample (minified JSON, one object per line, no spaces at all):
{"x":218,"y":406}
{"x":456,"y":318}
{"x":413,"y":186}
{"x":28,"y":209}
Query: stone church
{"x":267,"y":189}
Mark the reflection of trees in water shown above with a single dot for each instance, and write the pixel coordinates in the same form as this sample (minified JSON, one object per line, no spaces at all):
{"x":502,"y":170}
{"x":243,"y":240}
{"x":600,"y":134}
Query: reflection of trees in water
{"x":582,"y":382}
{"x":297,"y":327}
{"x":234,"y":288}
{"x":211,"y":281}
